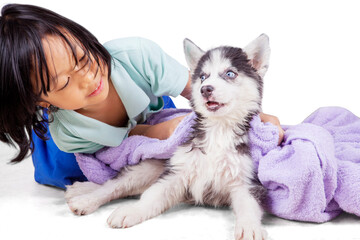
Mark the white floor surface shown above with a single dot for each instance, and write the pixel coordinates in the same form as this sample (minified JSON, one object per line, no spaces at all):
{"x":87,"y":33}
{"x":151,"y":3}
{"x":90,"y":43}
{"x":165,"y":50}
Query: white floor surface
{"x":28,"y":209}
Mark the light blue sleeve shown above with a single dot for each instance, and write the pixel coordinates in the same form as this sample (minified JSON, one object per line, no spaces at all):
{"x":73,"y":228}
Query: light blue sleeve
{"x":166,"y":76}
{"x":69,"y":142}
{"x":76,"y":133}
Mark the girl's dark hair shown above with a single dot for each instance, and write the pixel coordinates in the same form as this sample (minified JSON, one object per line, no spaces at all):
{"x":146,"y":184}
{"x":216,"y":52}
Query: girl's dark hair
{"x":22,"y":28}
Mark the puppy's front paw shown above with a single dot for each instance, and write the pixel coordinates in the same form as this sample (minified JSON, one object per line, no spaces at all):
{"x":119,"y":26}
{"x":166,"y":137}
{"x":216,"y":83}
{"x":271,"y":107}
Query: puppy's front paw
{"x":82,"y":198}
{"x":249,"y":231}
{"x":127,"y":216}
{"x":83,"y":205}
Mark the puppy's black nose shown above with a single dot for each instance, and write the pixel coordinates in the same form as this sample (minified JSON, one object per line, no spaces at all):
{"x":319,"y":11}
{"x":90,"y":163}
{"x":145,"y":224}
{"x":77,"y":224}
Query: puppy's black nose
{"x":206,"y":91}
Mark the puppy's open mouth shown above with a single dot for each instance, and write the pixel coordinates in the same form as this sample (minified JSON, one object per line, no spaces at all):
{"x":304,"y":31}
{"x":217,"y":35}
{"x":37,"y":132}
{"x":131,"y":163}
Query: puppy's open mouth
{"x":213,"y":106}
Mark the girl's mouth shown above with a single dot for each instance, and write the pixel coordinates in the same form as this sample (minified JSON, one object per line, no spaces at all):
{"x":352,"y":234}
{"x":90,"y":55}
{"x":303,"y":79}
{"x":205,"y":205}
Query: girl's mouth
{"x":98,"y":89}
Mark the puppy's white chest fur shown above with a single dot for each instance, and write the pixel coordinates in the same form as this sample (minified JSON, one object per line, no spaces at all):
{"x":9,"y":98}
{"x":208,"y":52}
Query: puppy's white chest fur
{"x":213,"y":166}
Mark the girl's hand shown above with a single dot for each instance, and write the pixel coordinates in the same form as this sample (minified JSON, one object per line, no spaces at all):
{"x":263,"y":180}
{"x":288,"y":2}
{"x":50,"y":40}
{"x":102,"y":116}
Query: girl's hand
{"x":160,"y":131}
{"x":275,"y":121}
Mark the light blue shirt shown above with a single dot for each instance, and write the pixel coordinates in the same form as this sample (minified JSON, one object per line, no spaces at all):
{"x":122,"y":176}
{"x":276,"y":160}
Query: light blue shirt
{"x":141,"y":73}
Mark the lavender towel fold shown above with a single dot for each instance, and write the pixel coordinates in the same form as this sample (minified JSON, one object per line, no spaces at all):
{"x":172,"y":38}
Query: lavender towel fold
{"x":313,"y":176}
{"x":107,"y":162}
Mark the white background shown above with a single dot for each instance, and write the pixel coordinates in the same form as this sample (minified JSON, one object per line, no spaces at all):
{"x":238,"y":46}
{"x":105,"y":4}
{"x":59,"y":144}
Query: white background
{"x":314,"y":62}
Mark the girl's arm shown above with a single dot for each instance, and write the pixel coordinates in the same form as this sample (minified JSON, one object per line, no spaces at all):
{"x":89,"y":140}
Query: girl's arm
{"x":164,"y":130}
{"x":160,"y":131}
{"x":186,"y":93}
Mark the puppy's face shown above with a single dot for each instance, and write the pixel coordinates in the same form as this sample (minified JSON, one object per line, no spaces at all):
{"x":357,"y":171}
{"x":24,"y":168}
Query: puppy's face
{"x":224,"y":81}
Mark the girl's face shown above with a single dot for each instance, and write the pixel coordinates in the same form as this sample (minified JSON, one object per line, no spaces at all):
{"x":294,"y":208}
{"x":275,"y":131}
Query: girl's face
{"x":73,"y":86}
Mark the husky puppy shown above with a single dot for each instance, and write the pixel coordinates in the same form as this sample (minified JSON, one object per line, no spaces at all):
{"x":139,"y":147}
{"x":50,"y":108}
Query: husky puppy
{"x":214,"y":167}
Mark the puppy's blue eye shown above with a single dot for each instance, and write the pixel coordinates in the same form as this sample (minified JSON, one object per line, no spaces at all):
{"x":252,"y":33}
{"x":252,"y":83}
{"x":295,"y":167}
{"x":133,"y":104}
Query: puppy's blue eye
{"x":230,"y":74}
{"x":202,"y":77}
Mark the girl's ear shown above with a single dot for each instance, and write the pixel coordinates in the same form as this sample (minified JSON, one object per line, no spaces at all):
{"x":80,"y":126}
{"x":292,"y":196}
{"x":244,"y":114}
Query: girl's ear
{"x":43,"y":104}
{"x":192,"y":53}
{"x":258,"y":52}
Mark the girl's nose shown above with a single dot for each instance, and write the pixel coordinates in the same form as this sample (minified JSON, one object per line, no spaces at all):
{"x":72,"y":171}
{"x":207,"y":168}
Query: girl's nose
{"x":87,"y":76}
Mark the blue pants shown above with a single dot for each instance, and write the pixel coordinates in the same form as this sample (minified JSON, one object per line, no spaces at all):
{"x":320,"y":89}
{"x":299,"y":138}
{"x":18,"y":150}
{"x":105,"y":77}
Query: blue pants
{"x":57,"y":168}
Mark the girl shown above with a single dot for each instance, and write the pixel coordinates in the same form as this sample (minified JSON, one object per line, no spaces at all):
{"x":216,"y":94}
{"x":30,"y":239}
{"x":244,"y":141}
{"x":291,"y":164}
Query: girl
{"x":96,"y":95}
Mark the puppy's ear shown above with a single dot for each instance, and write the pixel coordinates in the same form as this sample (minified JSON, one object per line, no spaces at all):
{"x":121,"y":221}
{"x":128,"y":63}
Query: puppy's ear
{"x":258,"y":52}
{"x":192,"y":53}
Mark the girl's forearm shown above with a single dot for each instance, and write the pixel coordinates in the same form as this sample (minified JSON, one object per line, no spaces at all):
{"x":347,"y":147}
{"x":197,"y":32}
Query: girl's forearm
{"x":160,"y":131}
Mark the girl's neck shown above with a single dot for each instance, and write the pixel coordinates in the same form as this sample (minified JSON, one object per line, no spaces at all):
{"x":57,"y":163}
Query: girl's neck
{"x":110,"y":111}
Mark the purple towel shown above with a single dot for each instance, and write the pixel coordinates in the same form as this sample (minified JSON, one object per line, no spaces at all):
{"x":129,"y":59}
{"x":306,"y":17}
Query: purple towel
{"x":313,"y":176}
{"x":107,"y":162}
{"x":300,"y":175}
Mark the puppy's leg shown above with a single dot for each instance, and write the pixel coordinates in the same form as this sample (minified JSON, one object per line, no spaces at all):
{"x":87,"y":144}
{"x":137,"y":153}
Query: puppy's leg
{"x":248,"y":215}
{"x":85,"y":197}
{"x":164,"y":194}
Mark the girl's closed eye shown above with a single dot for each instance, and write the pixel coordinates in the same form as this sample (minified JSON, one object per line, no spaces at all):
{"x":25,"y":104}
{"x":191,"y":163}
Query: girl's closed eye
{"x":67,"y":82}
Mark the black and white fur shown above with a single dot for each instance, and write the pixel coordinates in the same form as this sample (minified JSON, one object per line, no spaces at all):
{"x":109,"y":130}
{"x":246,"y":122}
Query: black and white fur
{"x":214,"y":167}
